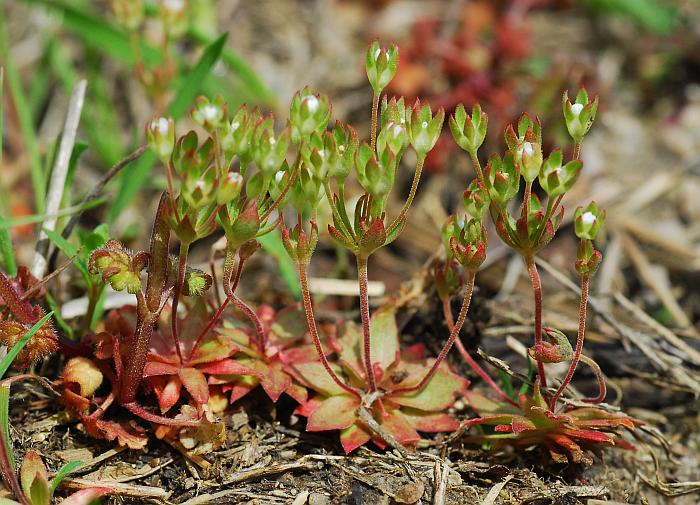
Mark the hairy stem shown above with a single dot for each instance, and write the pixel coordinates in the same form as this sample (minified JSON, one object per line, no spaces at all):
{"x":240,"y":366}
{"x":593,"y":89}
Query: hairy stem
{"x":231,"y":281}
{"x":577,"y":150}
{"x":373,"y":130}
{"x":141,"y":412}
{"x":537,"y":291}
{"x":181,"y":269}
{"x":454,"y":333}
{"x":133,"y":368}
{"x":602,"y":387}
{"x":311,"y":322}
{"x":447,"y":312}
{"x":477,"y":167}
{"x":579,"y":343}
{"x":411,"y":193}
{"x":364,"y":315}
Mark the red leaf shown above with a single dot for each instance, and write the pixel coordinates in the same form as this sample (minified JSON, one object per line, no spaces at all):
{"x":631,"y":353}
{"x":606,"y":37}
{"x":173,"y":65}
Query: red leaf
{"x":127,"y":435}
{"x":227,"y":367}
{"x":429,"y":422}
{"x":334,"y":413}
{"x":274,"y":379}
{"x":195,"y":383}
{"x":397,"y":424}
{"x":88,"y":496}
{"x":157,"y":368}
{"x":353,"y":437}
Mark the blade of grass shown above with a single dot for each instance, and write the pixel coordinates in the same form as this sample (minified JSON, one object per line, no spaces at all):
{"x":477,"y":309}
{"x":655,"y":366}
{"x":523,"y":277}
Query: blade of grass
{"x":38,"y":218}
{"x":97,"y":33}
{"x":272,"y":244}
{"x":8,"y":255}
{"x":69,"y":250}
{"x":6,"y":362}
{"x":655,"y":16}
{"x":62,"y":473}
{"x":24,"y":115}
{"x":5,"y":423}
{"x":133,"y":177}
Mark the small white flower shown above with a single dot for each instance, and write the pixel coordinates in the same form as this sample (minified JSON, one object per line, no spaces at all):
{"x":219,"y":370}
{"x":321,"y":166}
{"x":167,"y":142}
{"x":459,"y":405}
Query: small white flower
{"x":424,"y":124}
{"x":311,"y":103}
{"x":577,"y":108}
{"x":210,"y":112}
{"x":235,"y":125}
{"x":174,"y":6}
{"x":341,"y":149}
{"x":525,"y":148}
{"x":376,"y":53}
{"x":279,"y":175}
{"x":397,"y":130}
{"x":272,"y":141}
{"x":321,"y":153}
{"x":162,"y":126}
{"x":588,"y":218}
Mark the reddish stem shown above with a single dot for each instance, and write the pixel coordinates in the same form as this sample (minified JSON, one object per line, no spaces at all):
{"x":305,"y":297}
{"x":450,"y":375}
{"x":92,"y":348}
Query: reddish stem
{"x":454,"y":333}
{"x":181,"y":268}
{"x":447,"y":311}
{"x":477,"y":167}
{"x":133,"y":369}
{"x":141,"y":412}
{"x":602,"y":387}
{"x":577,"y":150}
{"x":311,"y":321}
{"x":579,"y":343}
{"x":364,"y":315}
{"x":537,"y":290}
{"x":229,"y":288}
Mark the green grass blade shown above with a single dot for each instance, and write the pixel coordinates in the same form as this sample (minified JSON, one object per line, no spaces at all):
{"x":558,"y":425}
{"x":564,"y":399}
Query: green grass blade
{"x":69,"y":250}
{"x":40,"y":218}
{"x":62,"y":473}
{"x":244,"y":73}
{"x":134,"y":177}
{"x":655,"y":16}
{"x":272,"y":244}
{"x":6,"y":251}
{"x":24,"y":115}
{"x":5,"y":422}
{"x":97,"y":33}
{"x":12,"y":353}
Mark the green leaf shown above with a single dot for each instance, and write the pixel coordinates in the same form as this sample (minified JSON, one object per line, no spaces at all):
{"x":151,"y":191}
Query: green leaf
{"x":6,"y":362}
{"x":62,"y":473}
{"x":70,"y":251}
{"x":655,"y":16}
{"x":384,"y":345}
{"x":272,"y":244}
{"x":8,"y":256}
{"x":5,"y":423}
{"x":134,"y":176}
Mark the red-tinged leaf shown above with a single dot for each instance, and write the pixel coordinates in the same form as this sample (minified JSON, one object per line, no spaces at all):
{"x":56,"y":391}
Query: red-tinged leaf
{"x":298,"y":392}
{"x":90,"y":496}
{"x":489,"y":420}
{"x":84,"y":373}
{"x":484,"y":405}
{"x":350,"y":346}
{"x":215,"y":349}
{"x":397,"y":424}
{"x":353,"y":437}
{"x":334,"y":413}
{"x":289,"y":325}
{"x":305,"y":409}
{"x":167,"y":389}
{"x":128,"y":435}
{"x":521,"y":424}
{"x":384,"y":346}
{"x":241,"y":389}
{"x":574,"y":450}
{"x":430,"y":422}
{"x":315,"y":376}
{"x":195,"y":383}
{"x":301,"y":354}
{"x":557,"y":455}
{"x":592,"y":435}
{"x":227,"y":367}
{"x":157,"y":368}
{"x":503,"y":428}
{"x":32,"y":467}
{"x":438,"y":394}
{"x":415,"y":352}
{"x":273,"y":378}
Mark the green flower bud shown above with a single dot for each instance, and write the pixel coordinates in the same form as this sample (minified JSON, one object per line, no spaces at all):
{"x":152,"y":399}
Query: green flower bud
{"x":588,"y":221}
{"x":346,"y":143}
{"x":502,"y":178}
{"x":469,"y":131}
{"x":237,"y":134}
{"x":476,"y":199}
{"x":306,"y":190}
{"x":229,"y":188}
{"x":469,"y":247}
{"x":529,"y":130}
{"x":160,"y":133}
{"x":269,"y":152}
{"x":580,"y":115}
{"x":423,"y":129}
{"x":529,"y":159}
{"x":376,"y":176}
{"x":381,"y":65}
{"x":173,"y":15}
{"x":394,"y":136}
{"x":393,"y":110}
{"x":308,"y":114}
{"x":555,"y":179}
{"x":451,"y":228}
{"x":199,"y":190}
{"x":129,"y":13}
{"x":588,"y":259}
{"x":209,"y":115}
